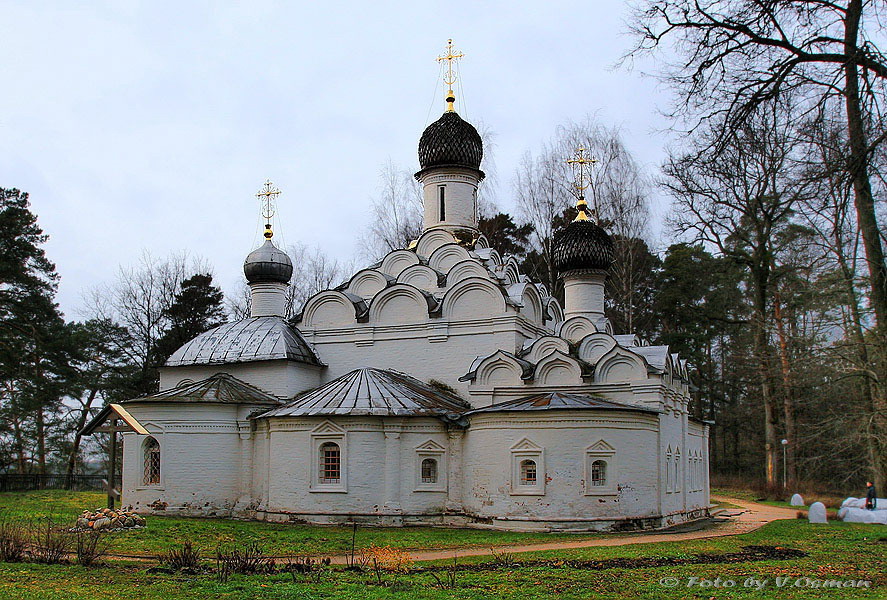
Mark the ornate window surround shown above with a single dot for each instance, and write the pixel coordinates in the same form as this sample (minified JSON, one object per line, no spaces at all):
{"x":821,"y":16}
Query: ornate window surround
{"x":601,"y":450}
{"x":323,"y":433}
{"x":527,"y":450}
{"x":434,"y":451}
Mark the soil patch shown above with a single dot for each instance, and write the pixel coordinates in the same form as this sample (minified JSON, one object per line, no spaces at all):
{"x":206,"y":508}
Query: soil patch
{"x":748,"y":554}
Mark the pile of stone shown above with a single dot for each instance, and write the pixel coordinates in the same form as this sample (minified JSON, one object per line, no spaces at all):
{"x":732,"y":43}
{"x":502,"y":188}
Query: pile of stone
{"x":105,"y":519}
{"x":853,"y":510}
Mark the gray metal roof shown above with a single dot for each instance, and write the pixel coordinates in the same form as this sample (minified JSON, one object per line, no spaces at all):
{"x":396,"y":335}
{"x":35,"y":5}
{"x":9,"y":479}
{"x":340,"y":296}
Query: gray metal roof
{"x":558,"y":401}
{"x":221,"y":388}
{"x":374,"y":392}
{"x":252,"y":339}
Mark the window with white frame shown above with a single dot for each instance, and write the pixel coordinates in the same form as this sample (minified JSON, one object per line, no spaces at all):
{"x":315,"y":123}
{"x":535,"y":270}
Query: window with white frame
{"x":527,"y":469}
{"x":430,"y":467}
{"x":151,"y":462}
{"x":329,"y":463}
{"x":428,"y":470}
{"x":600,"y":469}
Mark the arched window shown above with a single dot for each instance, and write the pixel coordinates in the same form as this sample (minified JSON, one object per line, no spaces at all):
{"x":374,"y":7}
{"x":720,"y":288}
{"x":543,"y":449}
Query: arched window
{"x":528,"y":472}
{"x":677,"y":469}
{"x":599,"y":473}
{"x":330,"y":463}
{"x":152,"y":462}
{"x":429,"y":470}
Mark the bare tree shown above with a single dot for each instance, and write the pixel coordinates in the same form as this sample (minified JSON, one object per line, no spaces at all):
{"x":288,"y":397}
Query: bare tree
{"x":396,"y":217}
{"x":619,"y":191}
{"x":741,"y":202}
{"x":737,"y":55}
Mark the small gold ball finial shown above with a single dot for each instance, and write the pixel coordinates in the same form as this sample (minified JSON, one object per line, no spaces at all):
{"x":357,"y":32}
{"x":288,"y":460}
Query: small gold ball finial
{"x":450,"y":75}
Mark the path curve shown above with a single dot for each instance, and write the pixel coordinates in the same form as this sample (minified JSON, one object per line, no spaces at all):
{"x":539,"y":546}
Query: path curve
{"x":750,"y":516}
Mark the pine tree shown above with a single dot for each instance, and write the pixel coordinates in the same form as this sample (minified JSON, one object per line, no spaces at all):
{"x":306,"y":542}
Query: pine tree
{"x":198,"y":307}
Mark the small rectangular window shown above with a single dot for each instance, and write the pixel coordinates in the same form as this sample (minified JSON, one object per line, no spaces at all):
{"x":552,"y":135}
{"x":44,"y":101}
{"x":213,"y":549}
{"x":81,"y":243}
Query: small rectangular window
{"x":330,"y":463}
{"x":442,"y":195}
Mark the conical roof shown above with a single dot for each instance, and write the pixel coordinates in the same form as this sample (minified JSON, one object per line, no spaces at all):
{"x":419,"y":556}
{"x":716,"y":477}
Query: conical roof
{"x":221,"y":388}
{"x":374,"y":392}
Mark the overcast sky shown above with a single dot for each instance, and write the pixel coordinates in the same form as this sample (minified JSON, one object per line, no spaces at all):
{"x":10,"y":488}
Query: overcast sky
{"x":151,"y":125}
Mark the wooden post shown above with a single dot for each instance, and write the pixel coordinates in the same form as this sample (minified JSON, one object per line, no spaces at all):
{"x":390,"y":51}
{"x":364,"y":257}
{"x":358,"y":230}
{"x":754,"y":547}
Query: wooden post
{"x":112,"y":471}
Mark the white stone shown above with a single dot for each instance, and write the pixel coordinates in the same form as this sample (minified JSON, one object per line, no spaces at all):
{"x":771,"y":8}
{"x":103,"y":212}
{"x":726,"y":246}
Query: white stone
{"x":796,"y":500}
{"x":816,"y":513}
{"x":861,"y":515}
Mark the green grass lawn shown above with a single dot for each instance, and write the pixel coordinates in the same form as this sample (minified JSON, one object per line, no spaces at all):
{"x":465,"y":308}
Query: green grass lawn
{"x":163,"y":532}
{"x":844,"y":551}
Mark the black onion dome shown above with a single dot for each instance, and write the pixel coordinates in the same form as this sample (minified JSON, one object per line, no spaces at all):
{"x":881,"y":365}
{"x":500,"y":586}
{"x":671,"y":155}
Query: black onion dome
{"x":268,"y":263}
{"x":450,"y":141}
{"x":582,"y":245}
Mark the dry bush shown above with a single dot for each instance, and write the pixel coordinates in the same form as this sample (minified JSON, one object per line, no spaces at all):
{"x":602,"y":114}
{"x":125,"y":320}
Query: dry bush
{"x":52,"y":543}
{"x":247,"y":559}
{"x":13,"y":541}
{"x":385,"y":559}
{"x":309,"y":568}
{"x":90,"y":546}
{"x":184,"y":557}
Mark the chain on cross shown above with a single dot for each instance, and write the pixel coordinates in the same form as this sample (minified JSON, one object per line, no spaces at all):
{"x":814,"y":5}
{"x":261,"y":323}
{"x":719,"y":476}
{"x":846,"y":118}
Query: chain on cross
{"x":267,"y":195}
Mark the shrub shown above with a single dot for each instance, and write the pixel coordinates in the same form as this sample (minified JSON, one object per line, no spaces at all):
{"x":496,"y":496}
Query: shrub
{"x":385,"y":559}
{"x":247,"y":559}
{"x":307,"y":566}
{"x":184,"y":557}
{"x":13,"y":541}
{"x":90,"y":547}
{"x":52,"y":543}
{"x":502,"y":559}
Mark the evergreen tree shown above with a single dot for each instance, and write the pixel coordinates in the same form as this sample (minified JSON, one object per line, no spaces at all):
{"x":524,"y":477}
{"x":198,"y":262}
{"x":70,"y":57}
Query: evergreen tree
{"x":505,"y":235}
{"x":197,"y":307}
{"x":35,"y":345}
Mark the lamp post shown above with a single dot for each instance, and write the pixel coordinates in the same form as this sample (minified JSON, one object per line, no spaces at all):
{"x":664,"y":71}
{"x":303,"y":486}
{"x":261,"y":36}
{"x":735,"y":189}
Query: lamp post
{"x":784,"y":444}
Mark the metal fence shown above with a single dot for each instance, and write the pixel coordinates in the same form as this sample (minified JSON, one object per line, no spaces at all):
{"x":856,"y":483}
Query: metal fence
{"x":14,"y":482}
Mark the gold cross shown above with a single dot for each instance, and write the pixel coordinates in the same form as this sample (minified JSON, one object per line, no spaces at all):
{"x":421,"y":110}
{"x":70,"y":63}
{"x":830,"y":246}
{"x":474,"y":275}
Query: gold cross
{"x":450,"y":75}
{"x":267,"y":195}
{"x":582,"y":179}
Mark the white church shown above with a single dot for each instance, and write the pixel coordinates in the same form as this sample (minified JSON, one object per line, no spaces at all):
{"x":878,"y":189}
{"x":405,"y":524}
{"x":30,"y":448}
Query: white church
{"x":440,"y":386}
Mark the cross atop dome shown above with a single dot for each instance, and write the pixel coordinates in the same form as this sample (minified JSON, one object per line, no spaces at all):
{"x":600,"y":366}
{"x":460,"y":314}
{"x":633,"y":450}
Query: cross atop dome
{"x":451,"y":56}
{"x":267,"y":195}
{"x":581,"y":165}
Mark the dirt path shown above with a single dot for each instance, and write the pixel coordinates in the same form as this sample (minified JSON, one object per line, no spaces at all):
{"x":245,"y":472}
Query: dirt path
{"x":748,"y":517}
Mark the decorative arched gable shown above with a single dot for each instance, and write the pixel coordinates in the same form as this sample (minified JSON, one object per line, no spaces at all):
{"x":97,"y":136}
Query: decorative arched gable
{"x":420,"y":276}
{"x":328,"y":309}
{"x":558,"y":368}
{"x":481,"y":242}
{"x":445,"y":257}
{"x":433,"y":239}
{"x":532,"y":305}
{"x":398,"y":305}
{"x":490,"y":256}
{"x":576,"y":328}
{"x":620,"y":366}
{"x":499,"y":369}
{"x":544,"y":346}
{"x":555,"y":311}
{"x":594,"y":346}
{"x":395,"y":262}
{"x":473,"y":298}
{"x":368,"y":282}
{"x":509,"y":272}
{"x":465,"y":269}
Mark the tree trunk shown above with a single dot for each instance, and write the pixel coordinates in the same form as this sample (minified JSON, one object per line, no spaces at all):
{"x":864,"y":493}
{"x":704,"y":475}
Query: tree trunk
{"x":761,"y":275}
{"x":788,"y":403}
{"x":78,"y":437}
{"x":40,"y":420}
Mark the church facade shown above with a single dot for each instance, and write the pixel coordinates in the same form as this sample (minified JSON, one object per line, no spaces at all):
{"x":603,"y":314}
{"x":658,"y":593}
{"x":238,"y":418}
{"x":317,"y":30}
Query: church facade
{"x":438,"y":386}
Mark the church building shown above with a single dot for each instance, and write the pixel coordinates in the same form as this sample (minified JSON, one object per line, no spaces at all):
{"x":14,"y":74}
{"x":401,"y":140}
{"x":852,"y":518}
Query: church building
{"x":439,"y":386}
